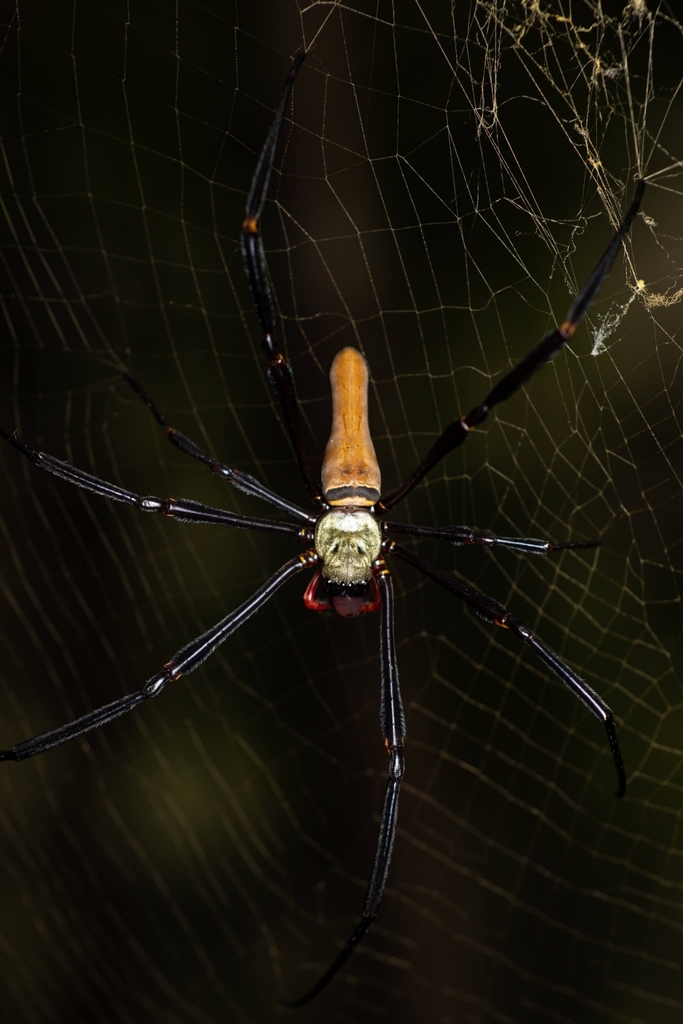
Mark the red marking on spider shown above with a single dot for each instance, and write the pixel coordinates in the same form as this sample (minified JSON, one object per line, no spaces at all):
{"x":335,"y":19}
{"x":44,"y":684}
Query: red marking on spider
{"x":345,"y":605}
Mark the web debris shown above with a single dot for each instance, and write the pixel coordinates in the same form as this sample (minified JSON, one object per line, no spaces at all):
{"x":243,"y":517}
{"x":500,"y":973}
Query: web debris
{"x":611,"y":320}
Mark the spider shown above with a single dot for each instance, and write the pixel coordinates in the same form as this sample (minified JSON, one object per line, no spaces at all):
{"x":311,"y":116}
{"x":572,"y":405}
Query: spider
{"x":347,"y":538}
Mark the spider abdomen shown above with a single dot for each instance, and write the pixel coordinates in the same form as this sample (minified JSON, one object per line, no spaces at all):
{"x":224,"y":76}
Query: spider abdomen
{"x":350,"y":474}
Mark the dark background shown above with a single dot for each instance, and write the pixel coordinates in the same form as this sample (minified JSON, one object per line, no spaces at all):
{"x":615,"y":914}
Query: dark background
{"x":447,"y":179}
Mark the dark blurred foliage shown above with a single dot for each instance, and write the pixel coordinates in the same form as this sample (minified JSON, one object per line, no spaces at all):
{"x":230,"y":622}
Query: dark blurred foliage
{"x":449,"y":175}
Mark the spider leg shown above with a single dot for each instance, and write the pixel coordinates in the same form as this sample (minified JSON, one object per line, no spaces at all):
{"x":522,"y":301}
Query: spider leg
{"x":492,"y":611}
{"x":184,"y":661}
{"x":459,"y":430}
{"x":182,"y":509}
{"x":279,"y":370}
{"x":243,"y":481}
{"x":394,"y":730}
{"x":465,"y":535}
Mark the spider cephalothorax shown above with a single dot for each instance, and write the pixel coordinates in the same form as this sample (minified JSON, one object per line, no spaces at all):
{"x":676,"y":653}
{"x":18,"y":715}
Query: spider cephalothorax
{"x":348,"y":556}
{"x":348,"y":542}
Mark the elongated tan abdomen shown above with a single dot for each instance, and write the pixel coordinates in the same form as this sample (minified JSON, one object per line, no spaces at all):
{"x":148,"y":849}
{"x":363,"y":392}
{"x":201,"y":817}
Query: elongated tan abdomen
{"x":351,"y":474}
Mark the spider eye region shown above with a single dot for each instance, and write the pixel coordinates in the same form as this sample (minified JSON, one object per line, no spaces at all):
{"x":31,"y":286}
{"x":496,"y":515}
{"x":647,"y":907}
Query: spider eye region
{"x":348,"y":542}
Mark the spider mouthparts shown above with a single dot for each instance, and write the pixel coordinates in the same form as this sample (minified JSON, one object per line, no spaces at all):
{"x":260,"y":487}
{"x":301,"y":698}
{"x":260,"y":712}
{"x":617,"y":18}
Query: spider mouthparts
{"x":347,"y":605}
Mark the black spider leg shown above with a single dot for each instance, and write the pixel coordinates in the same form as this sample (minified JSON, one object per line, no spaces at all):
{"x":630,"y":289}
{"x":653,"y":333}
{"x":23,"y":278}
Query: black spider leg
{"x":184,"y":661}
{"x":394,"y":730}
{"x":182,"y":509}
{"x":279,"y":370}
{"x":465,"y":535}
{"x":243,"y":481}
{"x":459,"y":430}
{"x":491,"y":611}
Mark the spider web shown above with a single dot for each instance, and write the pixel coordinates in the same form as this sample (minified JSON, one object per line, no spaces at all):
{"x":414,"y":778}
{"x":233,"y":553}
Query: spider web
{"x":447,"y":178}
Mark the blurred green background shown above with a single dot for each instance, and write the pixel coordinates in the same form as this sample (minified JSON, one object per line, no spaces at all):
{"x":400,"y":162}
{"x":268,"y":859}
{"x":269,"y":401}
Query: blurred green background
{"x":447,"y":178}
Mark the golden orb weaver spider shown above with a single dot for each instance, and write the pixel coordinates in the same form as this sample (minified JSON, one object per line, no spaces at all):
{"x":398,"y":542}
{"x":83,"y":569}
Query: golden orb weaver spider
{"x":347,"y":538}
